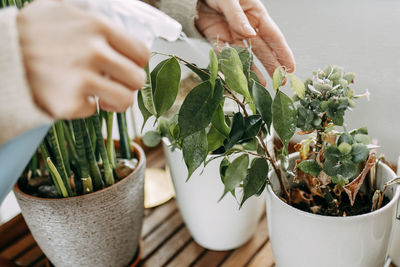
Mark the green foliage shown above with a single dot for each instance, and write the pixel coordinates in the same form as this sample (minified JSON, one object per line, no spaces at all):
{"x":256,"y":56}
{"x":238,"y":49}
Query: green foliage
{"x":194,"y":148}
{"x":235,"y":173}
{"x":278,"y":77}
{"x":151,"y":138}
{"x":284,"y":118}
{"x":263,"y":102}
{"x":256,"y":179}
{"x":310,"y":166}
{"x":198,"y":108}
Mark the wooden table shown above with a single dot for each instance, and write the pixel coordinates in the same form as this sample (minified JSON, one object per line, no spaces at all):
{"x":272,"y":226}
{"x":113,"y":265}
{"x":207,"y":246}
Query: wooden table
{"x":166,"y":240}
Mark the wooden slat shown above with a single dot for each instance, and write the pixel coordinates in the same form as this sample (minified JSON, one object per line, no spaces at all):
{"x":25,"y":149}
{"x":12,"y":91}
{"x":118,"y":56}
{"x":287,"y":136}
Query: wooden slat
{"x":242,"y":255}
{"x":30,"y":257}
{"x":212,"y":258}
{"x":187,"y":256}
{"x":12,"y":230}
{"x":264,"y":257}
{"x":158,"y":216}
{"x":155,"y":158}
{"x":41,"y":263}
{"x":18,"y":247}
{"x":169,"y":249}
{"x":161,"y":234}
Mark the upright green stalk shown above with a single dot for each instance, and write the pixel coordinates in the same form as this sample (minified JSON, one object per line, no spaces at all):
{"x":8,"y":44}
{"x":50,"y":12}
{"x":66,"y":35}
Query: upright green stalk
{"x":87,"y":185}
{"x":110,"y":142}
{"x":80,"y":150}
{"x":34,"y":165}
{"x":108,"y":172}
{"x":70,"y":142}
{"x":45,"y":156}
{"x":123,"y":136}
{"x":53,"y":140}
{"x":63,"y":148}
{"x":56,"y":174}
{"x":93,"y":167}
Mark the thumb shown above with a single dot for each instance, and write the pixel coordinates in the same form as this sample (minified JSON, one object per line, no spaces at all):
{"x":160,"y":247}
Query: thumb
{"x":236,"y":18}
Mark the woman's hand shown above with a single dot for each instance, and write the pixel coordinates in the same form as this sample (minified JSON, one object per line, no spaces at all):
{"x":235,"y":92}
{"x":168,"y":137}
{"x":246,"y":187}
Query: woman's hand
{"x":71,"y":56}
{"x":233,"y":21}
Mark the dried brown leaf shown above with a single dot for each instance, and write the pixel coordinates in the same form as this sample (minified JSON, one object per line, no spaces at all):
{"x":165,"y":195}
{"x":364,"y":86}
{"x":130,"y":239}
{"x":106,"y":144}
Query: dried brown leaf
{"x":352,"y":188}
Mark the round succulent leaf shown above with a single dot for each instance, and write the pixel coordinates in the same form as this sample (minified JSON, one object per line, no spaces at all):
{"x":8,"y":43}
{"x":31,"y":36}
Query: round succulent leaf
{"x":345,"y":148}
{"x":310,"y":166}
{"x":151,"y":138}
{"x":359,"y":152}
{"x":363,"y":139}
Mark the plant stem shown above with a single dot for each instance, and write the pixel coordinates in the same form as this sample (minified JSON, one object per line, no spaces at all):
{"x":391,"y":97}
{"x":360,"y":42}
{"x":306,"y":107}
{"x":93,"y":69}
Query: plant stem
{"x":45,"y":156}
{"x":56,"y":174}
{"x":87,"y":185}
{"x":59,"y":161}
{"x":80,"y":150}
{"x":70,"y":142}
{"x":123,"y":136}
{"x":108,"y":173}
{"x":110,"y":143}
{"x":63,"y":149}
{"x":93,"y":166}
{"x":276,"y":169}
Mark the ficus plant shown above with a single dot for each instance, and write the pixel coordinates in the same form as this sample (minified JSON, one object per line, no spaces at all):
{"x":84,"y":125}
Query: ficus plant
{"x":333,"y":164}
{"x":75,"y":158}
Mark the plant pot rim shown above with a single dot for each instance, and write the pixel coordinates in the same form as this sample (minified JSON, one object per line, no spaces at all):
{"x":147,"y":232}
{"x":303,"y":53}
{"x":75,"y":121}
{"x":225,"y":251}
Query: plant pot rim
{"x":139,"y":151}
{"x":392,"y":202}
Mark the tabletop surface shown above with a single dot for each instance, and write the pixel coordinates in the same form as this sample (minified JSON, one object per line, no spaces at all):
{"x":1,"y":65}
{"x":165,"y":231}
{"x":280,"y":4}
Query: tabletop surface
{"x":166,"y":240}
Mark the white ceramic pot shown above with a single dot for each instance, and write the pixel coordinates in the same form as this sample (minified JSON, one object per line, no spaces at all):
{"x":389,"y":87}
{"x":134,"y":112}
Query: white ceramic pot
{"x":214,"y":225}
{"x":301,"y":239}
{"x":395,"y":248}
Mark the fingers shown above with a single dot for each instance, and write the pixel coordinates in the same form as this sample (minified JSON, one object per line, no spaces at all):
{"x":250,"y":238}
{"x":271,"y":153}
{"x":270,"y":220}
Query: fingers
{"x":260,"y":77}
{"x":118,"y":67}
{"x":265,"y":54}
{"x":271,"y":34}
{"x":127,"y":45}
{"x":113,"y":96}
{"x":236,"y":18}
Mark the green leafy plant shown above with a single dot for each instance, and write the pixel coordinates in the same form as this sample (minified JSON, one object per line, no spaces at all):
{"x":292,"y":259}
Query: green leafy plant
{"x":77,"y":159}
{"x":330,"y":163}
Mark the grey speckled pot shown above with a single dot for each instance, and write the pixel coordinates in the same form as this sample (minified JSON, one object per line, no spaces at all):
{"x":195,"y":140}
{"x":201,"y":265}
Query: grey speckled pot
{"x":98,"y":229}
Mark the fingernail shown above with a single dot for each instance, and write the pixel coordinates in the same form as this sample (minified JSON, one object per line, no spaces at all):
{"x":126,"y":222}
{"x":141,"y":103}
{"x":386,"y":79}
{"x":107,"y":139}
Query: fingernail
{"x":249,"y":30}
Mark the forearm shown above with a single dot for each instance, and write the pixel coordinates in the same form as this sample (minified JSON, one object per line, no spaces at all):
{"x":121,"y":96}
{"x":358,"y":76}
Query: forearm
{"x":18,"y":111}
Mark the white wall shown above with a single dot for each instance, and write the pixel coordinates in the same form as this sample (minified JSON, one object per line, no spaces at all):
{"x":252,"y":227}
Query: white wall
{"x":363,"y":36}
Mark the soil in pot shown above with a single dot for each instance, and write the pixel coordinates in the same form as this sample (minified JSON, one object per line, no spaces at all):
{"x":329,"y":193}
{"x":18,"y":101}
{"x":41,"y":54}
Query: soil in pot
{"x":305,"y":201}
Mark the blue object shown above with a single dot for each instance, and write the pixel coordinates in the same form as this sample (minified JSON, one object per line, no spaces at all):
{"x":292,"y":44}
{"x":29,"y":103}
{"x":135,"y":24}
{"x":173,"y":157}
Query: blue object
{"x":15,"y":155}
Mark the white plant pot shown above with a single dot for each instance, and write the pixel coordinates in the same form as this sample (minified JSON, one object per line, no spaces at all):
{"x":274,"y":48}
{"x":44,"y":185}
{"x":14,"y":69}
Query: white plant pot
{"x":303,"y":239}
{"x":214,"y":225}
{"x":395,"y":247}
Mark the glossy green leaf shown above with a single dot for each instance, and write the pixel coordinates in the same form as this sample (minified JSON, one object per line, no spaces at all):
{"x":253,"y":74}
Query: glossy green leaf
{"x":297,"y":86}
{"x":153,"y":74}
{"x":151,"y":138}
{"x":167,"y":85}
{"x":204,"y":74}
{"x":252,"y":126}
{"x":256,"y":179}
{"x":223,"y":167}
{"x":237,"y":130}
{"x":310,"y":166}
{"x":198,"y":108}
{"x":214,"y":139}
{"x":147,"y":93}
{"x":213,"y":67}
{"x":194,"y":148}
{"x":284,"y":117}
{"x":218,"y":121}
{"x":359,"y":153}
{"x":232,"y":68}
{"x":145,"y":113}
{"x":278,"y":77}
{"x":235,"y":173}
{"x":263,"y":102}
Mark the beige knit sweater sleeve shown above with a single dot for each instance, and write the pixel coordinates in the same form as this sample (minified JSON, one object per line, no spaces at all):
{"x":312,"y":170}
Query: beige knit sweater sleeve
{"x":18,"y":111}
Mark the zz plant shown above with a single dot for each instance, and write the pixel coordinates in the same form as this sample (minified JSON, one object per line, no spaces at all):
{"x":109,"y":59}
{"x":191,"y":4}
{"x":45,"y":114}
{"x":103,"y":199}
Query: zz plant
{"x":332,"y":164}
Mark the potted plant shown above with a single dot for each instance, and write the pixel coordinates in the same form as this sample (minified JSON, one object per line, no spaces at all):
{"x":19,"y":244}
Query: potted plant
{"x":83,"y":202}
{"x":329,"y":204}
